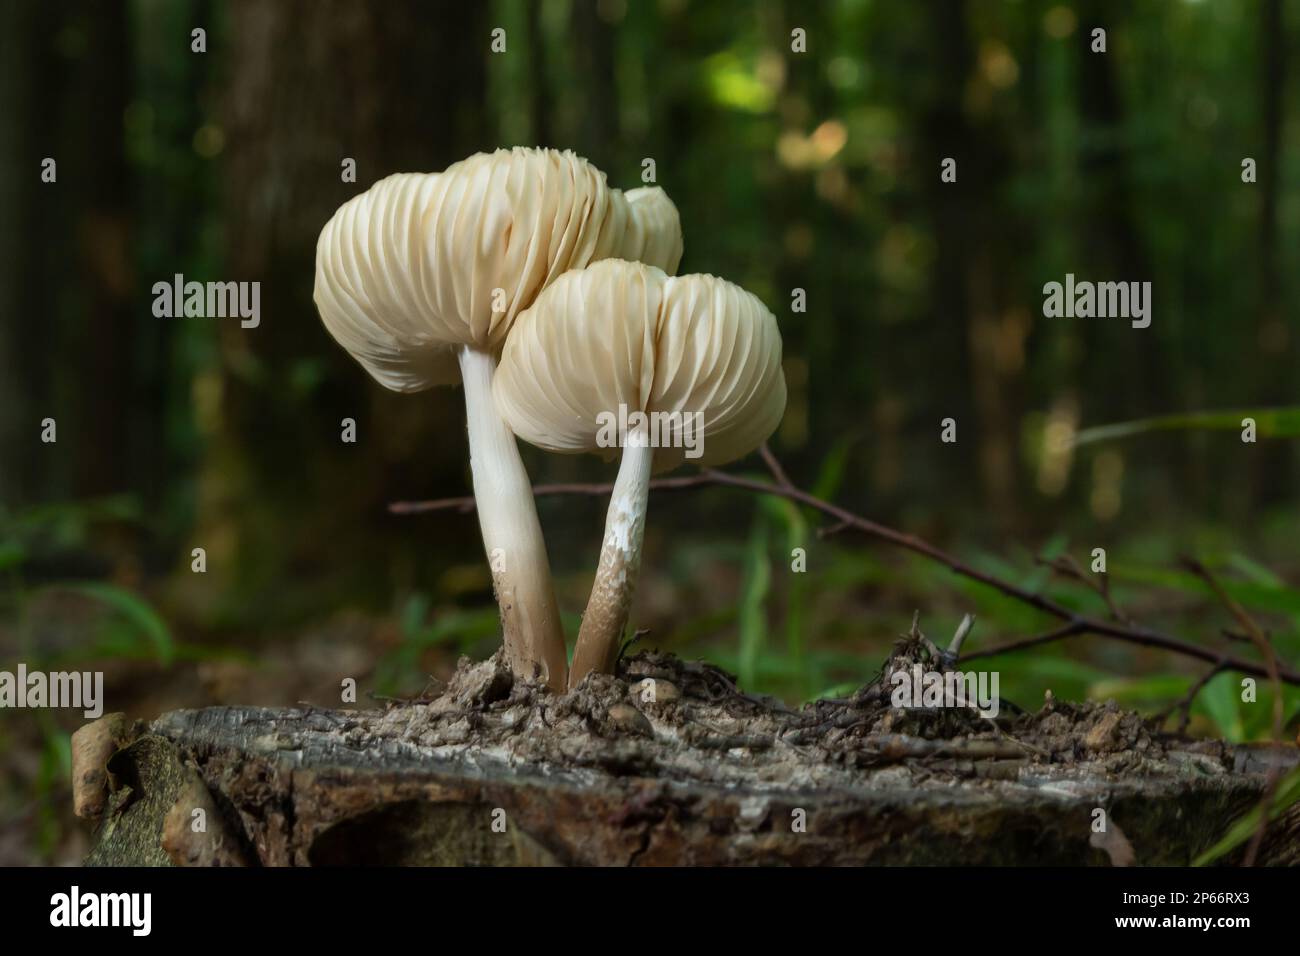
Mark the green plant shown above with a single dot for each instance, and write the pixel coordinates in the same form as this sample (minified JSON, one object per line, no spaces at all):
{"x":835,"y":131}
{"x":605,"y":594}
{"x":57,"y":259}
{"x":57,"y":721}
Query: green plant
{"x":1285,"y":795}
{"x":1269,"y":423}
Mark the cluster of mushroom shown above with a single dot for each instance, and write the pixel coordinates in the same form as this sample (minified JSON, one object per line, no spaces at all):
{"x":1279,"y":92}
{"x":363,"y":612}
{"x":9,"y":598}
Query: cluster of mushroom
{"x":551,"y":298}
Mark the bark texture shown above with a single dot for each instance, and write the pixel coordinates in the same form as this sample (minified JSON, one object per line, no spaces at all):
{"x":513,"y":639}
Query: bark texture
{"x":669,"y":763}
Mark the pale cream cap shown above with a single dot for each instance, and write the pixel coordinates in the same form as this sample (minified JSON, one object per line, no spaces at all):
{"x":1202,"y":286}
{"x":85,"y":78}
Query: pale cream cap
{"x":406,"y":271}
{"x":624,"y":333}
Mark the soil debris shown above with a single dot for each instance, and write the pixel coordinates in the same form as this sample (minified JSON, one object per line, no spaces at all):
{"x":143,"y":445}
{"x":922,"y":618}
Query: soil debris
{"x":688,"y":720}
{"x":669,"y":761}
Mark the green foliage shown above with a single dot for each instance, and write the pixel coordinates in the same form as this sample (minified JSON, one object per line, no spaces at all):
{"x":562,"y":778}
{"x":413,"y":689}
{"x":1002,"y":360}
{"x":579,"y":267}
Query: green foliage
{"x":63,"y":524}
{"x":52,"y":784}
{"x":804,"y":606}
{"x":1144,"y":691}
{"x":753,"y":595}
{"x":1286,"y":795}
{"x":1253,"y":594}
{"x":786,"y":518}
{"x":834,"y":466}
{"x":454,"y":631}
{"x":132,"y":629}
{"x":144,"y":634}
{"x":1269,"y":423}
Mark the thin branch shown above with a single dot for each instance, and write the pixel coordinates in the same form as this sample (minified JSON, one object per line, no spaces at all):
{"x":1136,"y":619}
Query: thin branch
{"x":774,"y":466}
{"x":827,"y":531}
{"x":1253,"y":631}
{"x":466,"y":504}
{"x":1185,"y":705}
{"x":1066,"y":566}
{"x":1237,"y":636}
{"x":1070,"y":629}
{"x":1073,"y":623}
{"x":953,"y":653}
{"x":1265,"y":647}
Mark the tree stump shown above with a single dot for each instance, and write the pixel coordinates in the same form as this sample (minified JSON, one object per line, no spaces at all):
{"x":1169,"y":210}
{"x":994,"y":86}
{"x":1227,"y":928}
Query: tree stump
{"x":669,"y":763}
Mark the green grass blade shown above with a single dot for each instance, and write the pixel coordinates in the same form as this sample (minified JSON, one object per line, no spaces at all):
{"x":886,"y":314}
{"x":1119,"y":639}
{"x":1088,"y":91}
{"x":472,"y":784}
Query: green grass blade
{"x":1287,"y":793}
{"x":753,"y":598}
{"x":1269,"y":423}
{"x":135,"y":610}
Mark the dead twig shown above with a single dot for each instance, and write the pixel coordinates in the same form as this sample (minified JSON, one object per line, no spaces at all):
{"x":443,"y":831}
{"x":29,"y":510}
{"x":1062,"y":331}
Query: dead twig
{"x":1074,"y":624}
{"x":1265,"y":648}
{"x":1068,"y":567}
{"x":774,"y":466}
{"x":465,"y":504}
{"x":1184,"y":705}
{"x":1253,"y":631}
{"x":1069,"y":629}
{"x":950,"y":656}
{"x":627,"y":645}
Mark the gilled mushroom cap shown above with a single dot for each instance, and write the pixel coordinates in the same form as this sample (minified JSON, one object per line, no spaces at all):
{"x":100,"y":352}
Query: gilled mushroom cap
{"x":406,"y":271}
{"x":623,"y":333}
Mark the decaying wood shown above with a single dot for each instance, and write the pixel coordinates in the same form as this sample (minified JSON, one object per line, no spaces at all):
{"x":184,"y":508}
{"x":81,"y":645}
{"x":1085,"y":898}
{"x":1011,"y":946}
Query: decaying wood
{"x":92,"y":747}
{"x":669,"y":763}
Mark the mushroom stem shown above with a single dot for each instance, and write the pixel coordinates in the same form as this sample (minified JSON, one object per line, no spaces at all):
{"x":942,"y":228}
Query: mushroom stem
{"x":620,"y":560}
{"x":512,"y":535}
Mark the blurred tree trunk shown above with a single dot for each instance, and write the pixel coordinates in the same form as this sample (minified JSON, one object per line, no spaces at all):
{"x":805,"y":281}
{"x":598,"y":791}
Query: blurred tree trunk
{"x":539,"y":85}
{"x":946,"y":132}
{"x":1272,"y":472}
{"x":118,"y":426}
{"x":969,"y":306}
{"x":1273,"y":79}
{"x":593,"y":51}
{"x":395,"y":87}
{"x":68,"y":345}
{"x":1111,"y":234}
{"x":23,"y":38}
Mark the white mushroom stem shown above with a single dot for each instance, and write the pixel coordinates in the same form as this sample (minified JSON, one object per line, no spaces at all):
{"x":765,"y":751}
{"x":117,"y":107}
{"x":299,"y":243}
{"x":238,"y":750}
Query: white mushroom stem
{"x":620,"y":560}
{"x":512,"y":535}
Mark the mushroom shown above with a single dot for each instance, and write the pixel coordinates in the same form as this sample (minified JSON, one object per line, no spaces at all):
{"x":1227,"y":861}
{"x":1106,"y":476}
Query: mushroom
{"x":620,"y":354}
{"x":421,"y":277}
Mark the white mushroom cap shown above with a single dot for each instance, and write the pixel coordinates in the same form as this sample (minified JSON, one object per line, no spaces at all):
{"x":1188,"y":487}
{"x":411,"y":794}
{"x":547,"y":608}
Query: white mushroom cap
{"x":623,"y":333}
{"x":654,"y":230}
{"x":406,"y":271}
